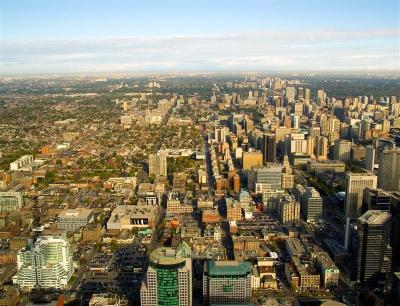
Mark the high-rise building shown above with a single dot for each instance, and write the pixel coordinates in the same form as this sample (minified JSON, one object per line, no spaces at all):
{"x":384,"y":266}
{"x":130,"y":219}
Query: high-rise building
{"x":369,"y":162}
{"x":342,"y":150}
{"x":268,"y":178}
{"x":321,"y":96}
{"x":46,"y":263}
{"x":374,"y":253}
{"x":226,"y":282}
{"x":322,"y":148}
{"x":314,"y":131}
{"x":169,"y":277}
{"x":289,"y":210}
{"x":376,"y":199}
{"x":355,"y":185}
{"x":300,"y":93}
{"x":158,"y":164}
{"x":290,"y":94}
{"x":269,"y":148}
{"x":307,"y":95}
{"x":389,"y":170}
{"x":252,"y":160}
{"x":311,"y":205}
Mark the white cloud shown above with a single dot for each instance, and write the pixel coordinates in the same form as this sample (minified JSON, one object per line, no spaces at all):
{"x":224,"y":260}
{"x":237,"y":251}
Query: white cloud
{"x":299,"y":50}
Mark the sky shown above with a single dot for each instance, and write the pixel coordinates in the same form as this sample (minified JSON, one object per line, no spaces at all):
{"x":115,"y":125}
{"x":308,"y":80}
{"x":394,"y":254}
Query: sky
{"x":95,"y":36}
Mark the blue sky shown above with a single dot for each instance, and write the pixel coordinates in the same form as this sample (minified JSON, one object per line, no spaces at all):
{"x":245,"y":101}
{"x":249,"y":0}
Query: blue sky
{"x":112,"y":36}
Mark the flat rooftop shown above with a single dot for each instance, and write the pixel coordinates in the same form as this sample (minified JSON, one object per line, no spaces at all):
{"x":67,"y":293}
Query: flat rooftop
{"x":375,"y":217}
{"x":228,"y":268}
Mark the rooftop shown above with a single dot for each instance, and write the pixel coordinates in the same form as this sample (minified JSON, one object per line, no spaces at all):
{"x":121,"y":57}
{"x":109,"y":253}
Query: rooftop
{"x":228,"y":268}
{"x":375,"y":217}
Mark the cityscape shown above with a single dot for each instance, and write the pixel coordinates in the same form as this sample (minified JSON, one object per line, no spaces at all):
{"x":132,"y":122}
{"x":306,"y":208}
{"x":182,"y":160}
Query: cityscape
{"x":176,"y":170}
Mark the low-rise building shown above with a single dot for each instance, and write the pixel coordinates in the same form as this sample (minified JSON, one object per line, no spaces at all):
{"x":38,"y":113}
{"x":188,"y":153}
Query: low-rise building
{"x":127,"y":217}
{"x":301,"y":274}
{"x":11,"y":201}
{"x":336,"y":166}
{"x":226,"y":282}
{"x":72,"y":219}
{"x":329,"y":271}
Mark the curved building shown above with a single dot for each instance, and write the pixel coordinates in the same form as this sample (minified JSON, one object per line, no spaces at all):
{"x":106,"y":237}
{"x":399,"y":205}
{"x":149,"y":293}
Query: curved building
{"x":169,"y":278}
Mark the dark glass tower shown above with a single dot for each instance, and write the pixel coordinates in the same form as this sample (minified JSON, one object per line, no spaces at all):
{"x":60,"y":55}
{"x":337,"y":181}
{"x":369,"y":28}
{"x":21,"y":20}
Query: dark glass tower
{"x":269,"y":148}
{"x":374,"y":253}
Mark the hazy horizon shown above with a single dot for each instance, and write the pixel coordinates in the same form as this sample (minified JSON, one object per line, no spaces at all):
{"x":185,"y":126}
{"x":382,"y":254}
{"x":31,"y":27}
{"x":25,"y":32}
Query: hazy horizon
{"x":85,"y":37}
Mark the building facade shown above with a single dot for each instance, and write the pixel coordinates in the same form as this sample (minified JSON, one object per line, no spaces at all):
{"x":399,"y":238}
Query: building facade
{"x":169,"y":278}
{"x":226,"y":282}
{"x":11,"y":201}
{"x":374,"y":253}
{"x":46,"y":263}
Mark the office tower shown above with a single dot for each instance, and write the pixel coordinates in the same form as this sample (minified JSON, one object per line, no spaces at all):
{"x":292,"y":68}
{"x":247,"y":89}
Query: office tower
{"x":220,"y":134}
{"x":298,"y":108}
{"x":341,"y":150}
{"x":289,"y":210}
{"x":268,"y":178}
{"x":386,"y":126}
{"x":322,"y":148}
{"x":269,"y":148}
{"x":300,"y":93}
{"x":389,"y":170}
{"x":365,"y":125}
{"x":158,"y":164}
{"x":307,"y":95}
{"x":355,"y":185}
{"x":290,"y":94}
{"x":321,"y":96}
{"x":252,"y":160}
{"x":169,"y":277}
{"x":314,"y":131}
{"x":287,"y":174}
{"x":296,"y":122}
{"x":46,"y":263}
{"x":226,"y":282}
{"x":381,"y":144}
{"x":374,"y":253}
{"x":369,"y":161}
{"x":296,"y":143}
{"x":311,"y":205}
{"x":287,"y":121}
{"x":376,"y":199}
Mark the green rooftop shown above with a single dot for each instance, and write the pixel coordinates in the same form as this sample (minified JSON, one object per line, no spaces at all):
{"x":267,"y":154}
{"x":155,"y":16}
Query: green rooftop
{"x":228,"y":268}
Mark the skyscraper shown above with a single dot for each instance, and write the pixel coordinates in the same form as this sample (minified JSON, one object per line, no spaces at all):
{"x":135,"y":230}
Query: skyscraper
{"x":226,"y":282}
{"x":321,"y":96}
{"x":169,"y":278}
{"x":355,"y":185}
{"x":342,"y":150}
{"x":307,"y":94}
{"x":322,"y":148}
{"x":389,"y":170}
{"x":290,"y":94}
{"x":374,"y":253}
{"x":158,"y":164}
{"x":376,"y":199}
{"x":269,"y":148}
{"x":311,"y":205}
{"x":369,"y":162}
{"x":46,"y":263}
